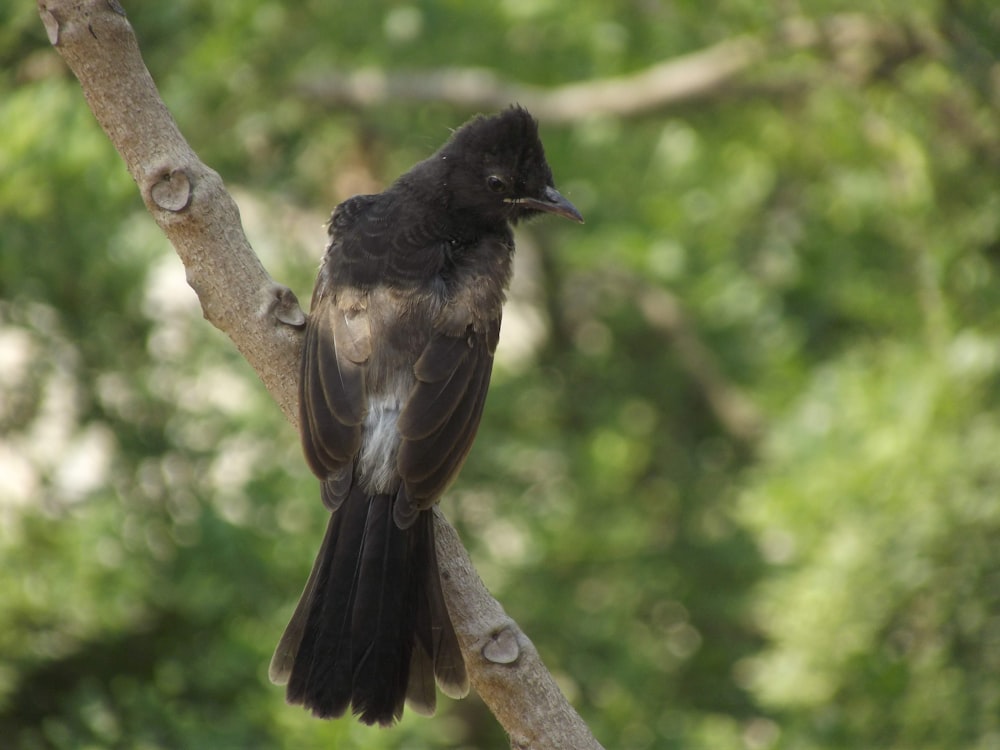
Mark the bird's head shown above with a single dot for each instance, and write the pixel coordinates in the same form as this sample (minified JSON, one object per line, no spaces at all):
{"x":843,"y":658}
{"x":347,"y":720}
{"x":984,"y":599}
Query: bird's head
{"x":497,"y":170}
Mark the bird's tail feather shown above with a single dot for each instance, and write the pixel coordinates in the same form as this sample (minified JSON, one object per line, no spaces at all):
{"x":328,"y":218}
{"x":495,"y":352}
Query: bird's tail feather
{"x":371,"y":629}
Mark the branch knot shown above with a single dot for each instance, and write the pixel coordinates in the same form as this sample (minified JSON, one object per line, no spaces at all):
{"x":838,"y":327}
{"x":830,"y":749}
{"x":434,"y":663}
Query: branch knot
{"x":172,"y":190}
{"x":502,"y":648}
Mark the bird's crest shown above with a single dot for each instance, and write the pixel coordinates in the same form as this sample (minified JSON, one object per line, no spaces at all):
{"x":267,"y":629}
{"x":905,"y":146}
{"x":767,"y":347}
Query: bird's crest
{"x":511,"y":135}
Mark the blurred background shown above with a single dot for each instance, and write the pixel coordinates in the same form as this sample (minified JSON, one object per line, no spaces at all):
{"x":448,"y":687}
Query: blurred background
{"x":739,"y":469}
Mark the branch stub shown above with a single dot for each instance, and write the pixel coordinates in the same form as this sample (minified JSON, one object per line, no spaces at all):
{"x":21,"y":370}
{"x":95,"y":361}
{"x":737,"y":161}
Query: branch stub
{"x":285,"y":306}
{"x":502,"y":647}
{"x":172,"y":191}
{"x":51,"y":24}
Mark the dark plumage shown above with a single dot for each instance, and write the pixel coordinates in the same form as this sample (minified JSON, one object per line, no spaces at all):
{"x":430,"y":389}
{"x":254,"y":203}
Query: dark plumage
{"x":395,"y":368}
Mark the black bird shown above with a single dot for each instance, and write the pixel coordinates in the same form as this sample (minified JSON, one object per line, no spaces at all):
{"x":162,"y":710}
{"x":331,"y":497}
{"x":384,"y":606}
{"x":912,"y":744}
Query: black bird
{"x":395,"y":366}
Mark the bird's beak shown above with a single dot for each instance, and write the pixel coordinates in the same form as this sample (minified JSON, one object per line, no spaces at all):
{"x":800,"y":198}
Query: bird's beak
{"x":553,"y":202}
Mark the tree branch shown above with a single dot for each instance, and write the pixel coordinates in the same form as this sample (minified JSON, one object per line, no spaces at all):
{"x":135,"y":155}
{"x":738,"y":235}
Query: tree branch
{"x":504,"y":665}
{"x":185,"y":197}
{"x":858,"y":46}
{"x":677,"y":80}
{"x":190,"y":204}
{"x":732,"y":408}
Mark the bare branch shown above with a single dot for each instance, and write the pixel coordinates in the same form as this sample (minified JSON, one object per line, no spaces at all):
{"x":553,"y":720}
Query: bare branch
{"x":504,"y":666}
{"x":189,"y":202}
{"x":735,"y":411}
{"x":184,"y":196}
{"x":856,"y":45}
{"x":677,"y":80}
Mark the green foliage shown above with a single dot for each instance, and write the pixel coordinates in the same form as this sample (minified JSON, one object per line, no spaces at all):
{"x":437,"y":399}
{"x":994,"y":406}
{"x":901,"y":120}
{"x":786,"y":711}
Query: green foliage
{"x":893,"y":561}
{"x":829,"y":229}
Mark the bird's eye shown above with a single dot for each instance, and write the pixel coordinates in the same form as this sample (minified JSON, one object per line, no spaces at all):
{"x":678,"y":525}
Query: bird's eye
{"x":496,"y":184}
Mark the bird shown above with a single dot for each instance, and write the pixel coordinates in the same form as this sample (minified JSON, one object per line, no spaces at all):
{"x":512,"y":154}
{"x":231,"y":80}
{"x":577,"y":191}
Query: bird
{"x":396,"y":361}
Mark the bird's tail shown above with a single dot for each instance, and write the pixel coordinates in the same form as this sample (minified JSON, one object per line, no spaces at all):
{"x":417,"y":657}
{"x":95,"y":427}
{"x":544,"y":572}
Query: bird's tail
{"x":371,"y":628}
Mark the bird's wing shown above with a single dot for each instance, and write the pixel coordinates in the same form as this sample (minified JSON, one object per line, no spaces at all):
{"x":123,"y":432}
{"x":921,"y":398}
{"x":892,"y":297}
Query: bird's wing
{"x":338,"y":345}
{"x":332,"y":401}
{"x":441,"y":416}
